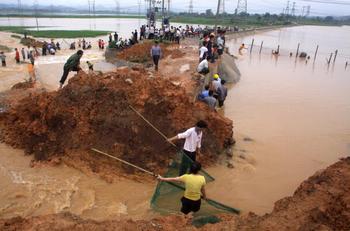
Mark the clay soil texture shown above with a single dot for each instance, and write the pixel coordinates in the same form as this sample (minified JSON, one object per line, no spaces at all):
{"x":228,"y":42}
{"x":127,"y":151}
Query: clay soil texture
{"x":141,"y":52}
{"x":322,"y":202}
{"x":93,"y":111}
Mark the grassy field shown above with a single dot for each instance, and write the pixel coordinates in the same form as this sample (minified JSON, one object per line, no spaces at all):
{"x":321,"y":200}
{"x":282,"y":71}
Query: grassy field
{"x":53,"y":33}
{"x":66,"y":33}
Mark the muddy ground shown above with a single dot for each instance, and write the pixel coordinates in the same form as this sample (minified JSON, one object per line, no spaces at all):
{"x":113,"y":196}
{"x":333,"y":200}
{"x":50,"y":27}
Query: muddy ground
{"x":320,"y":203}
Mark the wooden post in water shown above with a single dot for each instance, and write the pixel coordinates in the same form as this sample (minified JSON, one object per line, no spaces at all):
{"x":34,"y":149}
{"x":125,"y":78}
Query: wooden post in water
{"x":296,"y":55}
{"x":316,"y":53}
{"x":278,"y":49}
{"x":261,"y":46}
{"x":335,"y":55}
{"x":330,"y":58}
{"x":251,"y":46}
{"x":346,"y":65}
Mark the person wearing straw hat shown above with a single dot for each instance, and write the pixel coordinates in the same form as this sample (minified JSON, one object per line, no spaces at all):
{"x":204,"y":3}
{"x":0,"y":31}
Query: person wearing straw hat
{"x":192,"y":146}
{"x":194,"y":188}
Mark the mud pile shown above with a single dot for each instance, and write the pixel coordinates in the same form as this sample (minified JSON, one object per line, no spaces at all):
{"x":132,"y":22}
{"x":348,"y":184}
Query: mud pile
{"x":93,"y":112}
{"x":140,"y":53}
{"x":320,"y":203}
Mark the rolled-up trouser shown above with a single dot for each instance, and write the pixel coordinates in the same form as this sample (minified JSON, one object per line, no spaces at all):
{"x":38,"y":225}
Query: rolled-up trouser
{"x":66,"y":72}
{"x":156,"y":60}
{"x":186,"y":161}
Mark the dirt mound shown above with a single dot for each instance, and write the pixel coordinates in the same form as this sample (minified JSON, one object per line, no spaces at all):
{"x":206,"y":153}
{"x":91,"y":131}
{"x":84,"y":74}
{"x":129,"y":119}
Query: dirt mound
{"x":140,"y":53}
{"x":93,"y":111}
{"x":23,"y":85}
{"x":320,"y":203}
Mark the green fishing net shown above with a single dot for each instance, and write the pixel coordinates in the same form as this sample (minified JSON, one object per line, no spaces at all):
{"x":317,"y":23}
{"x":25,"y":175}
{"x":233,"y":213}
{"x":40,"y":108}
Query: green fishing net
{"x":167,"y":196}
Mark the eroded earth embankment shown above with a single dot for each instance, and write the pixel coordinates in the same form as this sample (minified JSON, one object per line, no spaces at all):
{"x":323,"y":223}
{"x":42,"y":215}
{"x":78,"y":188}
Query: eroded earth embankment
{"x":93,"y":111}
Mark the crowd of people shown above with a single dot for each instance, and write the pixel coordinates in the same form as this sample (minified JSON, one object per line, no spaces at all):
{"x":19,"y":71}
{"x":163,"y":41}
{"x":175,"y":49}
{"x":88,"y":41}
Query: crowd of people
{"x":81,"y":44}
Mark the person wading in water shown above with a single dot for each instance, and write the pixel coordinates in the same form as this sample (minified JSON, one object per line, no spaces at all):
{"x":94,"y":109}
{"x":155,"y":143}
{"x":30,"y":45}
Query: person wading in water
{"x":194,"y":188}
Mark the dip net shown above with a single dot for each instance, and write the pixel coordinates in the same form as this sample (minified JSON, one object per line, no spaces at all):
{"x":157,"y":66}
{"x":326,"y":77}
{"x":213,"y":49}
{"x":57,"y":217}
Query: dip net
{"x":167,"y":196}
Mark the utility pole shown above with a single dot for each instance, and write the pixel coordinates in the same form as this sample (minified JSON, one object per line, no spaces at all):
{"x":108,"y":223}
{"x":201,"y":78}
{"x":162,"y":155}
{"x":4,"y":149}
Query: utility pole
{"x":36,"y":14}
{"x":241,"y":7}
{"x":190,"y":7}
{"x":217,"y":14}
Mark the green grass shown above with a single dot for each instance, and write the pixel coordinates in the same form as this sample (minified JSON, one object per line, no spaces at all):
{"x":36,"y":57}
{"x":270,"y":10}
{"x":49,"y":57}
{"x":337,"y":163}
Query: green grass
{"x":5,"y":48}
{"x":53,"y":33}
{"x":66,"y":33}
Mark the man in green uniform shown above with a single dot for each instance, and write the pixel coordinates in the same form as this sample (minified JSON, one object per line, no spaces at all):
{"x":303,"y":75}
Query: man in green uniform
{"x":72,"y":64}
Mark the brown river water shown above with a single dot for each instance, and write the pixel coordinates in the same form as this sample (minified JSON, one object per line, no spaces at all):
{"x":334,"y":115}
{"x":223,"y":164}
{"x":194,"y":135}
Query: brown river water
{"x":297,"y":113}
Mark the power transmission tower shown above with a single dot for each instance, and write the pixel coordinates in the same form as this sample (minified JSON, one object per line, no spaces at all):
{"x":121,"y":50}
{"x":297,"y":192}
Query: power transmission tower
{"x":241,"y":7}
{"x":222,"y":8}
{"x":190,"y":7}
{"x":287,"y":8}
{"x":293,"y":9}
{"x":117,"y":6}
{"x":93,"y":8}
{"x":139,"y":4}
{"x":89,"y":3}
{"x":19,"y":5}
{"x":168,"y":7}
{"x":308,"y":9}
{"x":302,"y":12}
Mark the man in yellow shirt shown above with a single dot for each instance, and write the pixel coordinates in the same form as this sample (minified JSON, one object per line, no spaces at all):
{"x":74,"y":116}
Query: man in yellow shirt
{"x":194,"y":188}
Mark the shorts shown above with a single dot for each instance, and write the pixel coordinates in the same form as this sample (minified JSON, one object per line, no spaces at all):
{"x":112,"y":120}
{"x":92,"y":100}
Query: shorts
{"x":190,"y":205}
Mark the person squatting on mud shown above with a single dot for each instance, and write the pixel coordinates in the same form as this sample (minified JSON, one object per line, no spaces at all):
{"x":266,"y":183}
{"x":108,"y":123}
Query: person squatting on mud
{"x":192,"y":146}
{"x":194,"y":188}
{"x":156,"y":54}
{"x":72,"y":64}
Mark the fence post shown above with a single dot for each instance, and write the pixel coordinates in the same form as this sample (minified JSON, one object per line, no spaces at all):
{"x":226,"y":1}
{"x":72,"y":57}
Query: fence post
{"x":335,"y":55}
{"x":316,"y":53}
{"x":251,"y":47}
{"x":261,"y":46}
{"x":330,"y":58}
{"x":297,"y":51}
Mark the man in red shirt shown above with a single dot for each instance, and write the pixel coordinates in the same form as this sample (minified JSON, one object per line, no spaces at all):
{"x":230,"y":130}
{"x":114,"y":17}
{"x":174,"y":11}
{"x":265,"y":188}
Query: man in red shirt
{"x":17,"y":56}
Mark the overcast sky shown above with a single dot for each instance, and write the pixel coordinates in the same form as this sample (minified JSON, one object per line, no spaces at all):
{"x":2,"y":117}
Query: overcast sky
{"x":318,"y":7}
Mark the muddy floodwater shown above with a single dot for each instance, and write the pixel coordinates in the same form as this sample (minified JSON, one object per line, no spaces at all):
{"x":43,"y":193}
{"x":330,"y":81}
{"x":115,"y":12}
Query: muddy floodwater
{"x":291,"y":118}
{"x":124,"y":26}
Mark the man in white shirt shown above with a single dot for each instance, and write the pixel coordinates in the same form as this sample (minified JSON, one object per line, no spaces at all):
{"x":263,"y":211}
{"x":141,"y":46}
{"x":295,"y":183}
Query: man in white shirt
{"x":203,"y":52}
{"x":203,"y":67}
{"x":193,"y":140}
